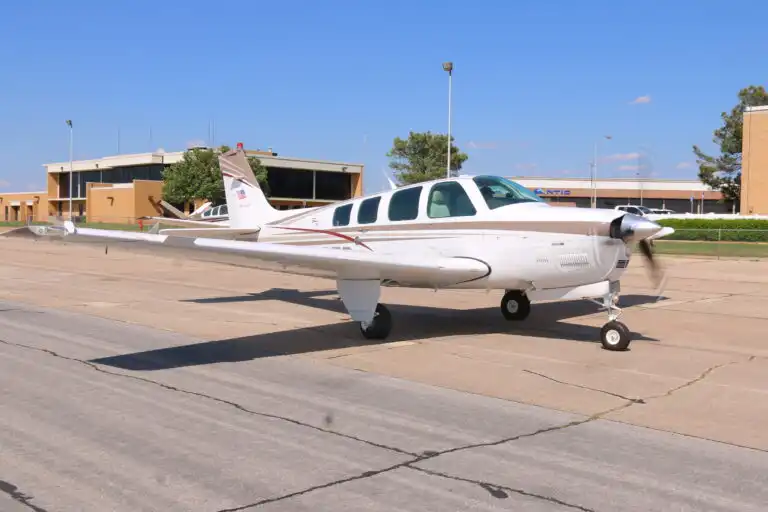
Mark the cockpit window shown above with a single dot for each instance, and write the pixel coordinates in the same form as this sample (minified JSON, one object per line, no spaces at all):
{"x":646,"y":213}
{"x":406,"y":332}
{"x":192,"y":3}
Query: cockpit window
{"x":499,"y":191}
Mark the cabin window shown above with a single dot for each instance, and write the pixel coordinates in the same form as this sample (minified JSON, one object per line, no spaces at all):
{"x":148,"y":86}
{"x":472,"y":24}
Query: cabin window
{"x":404,"y":204}
{"x":341,"y":215}
{"x":449,"y":199}
{"x":368,"y":211}
{"x":224,"y":210}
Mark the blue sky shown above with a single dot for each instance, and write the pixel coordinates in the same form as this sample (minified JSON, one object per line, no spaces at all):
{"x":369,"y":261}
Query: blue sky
{"x":535,"y":82}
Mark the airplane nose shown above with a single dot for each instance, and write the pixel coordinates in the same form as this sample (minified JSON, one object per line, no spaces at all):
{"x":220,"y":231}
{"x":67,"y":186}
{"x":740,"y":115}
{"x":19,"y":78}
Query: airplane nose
{"x":632,"y":228}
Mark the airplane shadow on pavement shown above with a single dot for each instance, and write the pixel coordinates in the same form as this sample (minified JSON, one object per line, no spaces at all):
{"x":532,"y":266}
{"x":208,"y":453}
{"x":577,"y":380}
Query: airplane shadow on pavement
{"x":410,"y":323}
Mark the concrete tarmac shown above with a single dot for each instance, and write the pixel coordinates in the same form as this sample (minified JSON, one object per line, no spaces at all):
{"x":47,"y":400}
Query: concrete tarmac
{"x":135,"y":383}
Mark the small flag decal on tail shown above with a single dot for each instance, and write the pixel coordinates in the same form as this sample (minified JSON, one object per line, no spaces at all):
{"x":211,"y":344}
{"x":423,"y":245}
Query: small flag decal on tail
{"x":241,"y":194}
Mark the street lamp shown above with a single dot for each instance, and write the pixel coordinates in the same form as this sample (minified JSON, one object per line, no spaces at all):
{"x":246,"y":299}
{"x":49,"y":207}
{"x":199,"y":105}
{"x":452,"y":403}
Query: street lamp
{"x":69,"y":123}
{"x":448,"y":66}
{"x":593,"y":178}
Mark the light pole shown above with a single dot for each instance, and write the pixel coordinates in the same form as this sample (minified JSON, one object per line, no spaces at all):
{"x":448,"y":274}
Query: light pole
{"x":593,"y":178}
{"x":69,"y":123}
{"x":448,"y":66}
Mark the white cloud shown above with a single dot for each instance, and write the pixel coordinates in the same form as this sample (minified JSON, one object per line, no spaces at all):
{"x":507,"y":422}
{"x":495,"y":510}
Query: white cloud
{"x":482,"y":145}
{"x":684,"y":165}
{"x":526,"y":167}
{"x":4,"y":184}
{"x":641,"y":99}
{"x":631,"y":167}
{"x":621,"y":157}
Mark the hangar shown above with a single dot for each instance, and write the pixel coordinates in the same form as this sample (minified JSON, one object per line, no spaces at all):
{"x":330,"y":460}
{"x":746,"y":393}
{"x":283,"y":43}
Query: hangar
{"x":121,"y":188}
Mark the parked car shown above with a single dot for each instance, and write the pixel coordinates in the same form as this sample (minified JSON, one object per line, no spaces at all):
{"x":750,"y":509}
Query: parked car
{"x":635,"y":209}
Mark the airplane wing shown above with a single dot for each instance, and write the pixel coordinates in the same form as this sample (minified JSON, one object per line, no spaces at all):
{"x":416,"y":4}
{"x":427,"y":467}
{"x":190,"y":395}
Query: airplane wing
{"x":328,"y":262}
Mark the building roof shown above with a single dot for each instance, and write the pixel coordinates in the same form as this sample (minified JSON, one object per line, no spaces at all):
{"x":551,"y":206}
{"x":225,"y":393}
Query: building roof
{"x":159,"y":157}
{"x":758,"y":108}
{"x":611,"y":184}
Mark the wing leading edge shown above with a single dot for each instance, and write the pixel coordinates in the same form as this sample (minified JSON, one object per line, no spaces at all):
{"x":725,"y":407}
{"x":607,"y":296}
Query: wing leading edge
{"x":323,"y":261}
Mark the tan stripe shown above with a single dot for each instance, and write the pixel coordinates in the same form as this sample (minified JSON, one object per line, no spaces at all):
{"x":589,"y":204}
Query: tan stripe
{"x":561,"y":227}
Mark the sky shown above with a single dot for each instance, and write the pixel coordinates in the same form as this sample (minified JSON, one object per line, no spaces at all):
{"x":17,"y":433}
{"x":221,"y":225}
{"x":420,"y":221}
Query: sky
{"x":535,"y":84}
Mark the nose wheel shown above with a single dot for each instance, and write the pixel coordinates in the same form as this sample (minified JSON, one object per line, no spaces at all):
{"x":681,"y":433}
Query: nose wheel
{"x":614,"y":335}
{"x":515,"y":305}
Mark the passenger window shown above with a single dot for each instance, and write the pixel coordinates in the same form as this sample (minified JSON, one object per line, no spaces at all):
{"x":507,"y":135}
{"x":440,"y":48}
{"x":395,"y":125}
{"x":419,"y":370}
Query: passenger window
{"x":404,"y":204}
{"x":341,"y":215}
{"x":449,"y":199}
{"x":368,"y":211}
{"x":224,"y":210}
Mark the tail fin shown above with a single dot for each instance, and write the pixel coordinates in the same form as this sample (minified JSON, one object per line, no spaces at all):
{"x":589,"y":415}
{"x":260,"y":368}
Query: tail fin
{"x":247,"y":205}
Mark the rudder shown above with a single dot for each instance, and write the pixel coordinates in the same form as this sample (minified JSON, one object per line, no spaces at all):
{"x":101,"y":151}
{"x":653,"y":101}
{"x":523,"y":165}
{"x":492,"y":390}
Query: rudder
{"x":247,"y":205}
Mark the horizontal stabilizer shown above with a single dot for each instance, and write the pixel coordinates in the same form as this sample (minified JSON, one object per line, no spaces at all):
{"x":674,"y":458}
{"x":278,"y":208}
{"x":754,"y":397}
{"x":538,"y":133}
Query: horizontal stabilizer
{"x":186,"y":222}
{"x":220,"y":233}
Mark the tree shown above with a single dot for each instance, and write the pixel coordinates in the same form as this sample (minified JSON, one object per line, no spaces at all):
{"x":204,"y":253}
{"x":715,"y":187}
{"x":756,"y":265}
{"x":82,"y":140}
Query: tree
{"x":423,"y":157}
{"x":197,"y":176}
{"x":723,"y":172}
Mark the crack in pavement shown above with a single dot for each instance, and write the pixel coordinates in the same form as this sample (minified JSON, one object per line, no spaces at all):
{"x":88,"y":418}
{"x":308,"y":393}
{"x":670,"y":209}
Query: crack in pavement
{"x":494,"y":489}
{"x":634,"y":400}
{"x":16,"y":495}
{"x":416,"y":458}
{"x":209,"y":397}
{"x":488,"y":486}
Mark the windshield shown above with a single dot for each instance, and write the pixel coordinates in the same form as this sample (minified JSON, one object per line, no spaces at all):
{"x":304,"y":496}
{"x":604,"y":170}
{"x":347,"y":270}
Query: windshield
{"x":499,"y":191}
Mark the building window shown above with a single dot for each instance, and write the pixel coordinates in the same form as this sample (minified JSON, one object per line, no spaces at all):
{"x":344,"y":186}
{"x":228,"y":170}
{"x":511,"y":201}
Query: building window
{"x":294,"y":183}
{"x":404,"y":204}
{"x":335,"y":186}
{"x":449,"y":199}
{"x":341,"y":215}
{"x":368,"y":211}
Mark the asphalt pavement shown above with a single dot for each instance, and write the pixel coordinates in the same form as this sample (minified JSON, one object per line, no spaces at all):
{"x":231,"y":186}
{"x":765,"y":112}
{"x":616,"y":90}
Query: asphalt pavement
{"x":102,"y":415}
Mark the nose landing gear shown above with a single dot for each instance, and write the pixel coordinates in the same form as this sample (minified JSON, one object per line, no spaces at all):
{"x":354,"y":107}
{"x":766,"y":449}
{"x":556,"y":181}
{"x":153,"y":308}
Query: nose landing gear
{"x":614,"y":335}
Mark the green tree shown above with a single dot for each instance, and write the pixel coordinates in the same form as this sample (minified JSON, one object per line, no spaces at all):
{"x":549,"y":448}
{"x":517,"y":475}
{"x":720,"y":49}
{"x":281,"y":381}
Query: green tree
{"x":423,"y":157}
{"x":197,"y":176}
{"x":723,"y":172}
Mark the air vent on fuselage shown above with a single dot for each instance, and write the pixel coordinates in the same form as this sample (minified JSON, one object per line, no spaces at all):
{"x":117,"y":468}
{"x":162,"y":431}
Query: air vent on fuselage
{"x":574,"y":261}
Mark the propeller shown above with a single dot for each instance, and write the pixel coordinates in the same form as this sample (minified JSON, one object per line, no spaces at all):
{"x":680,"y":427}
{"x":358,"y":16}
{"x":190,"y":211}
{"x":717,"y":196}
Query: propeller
{"x":634,"y":228}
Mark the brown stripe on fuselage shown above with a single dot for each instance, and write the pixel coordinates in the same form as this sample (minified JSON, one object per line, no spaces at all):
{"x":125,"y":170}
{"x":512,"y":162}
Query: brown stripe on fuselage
{"x":599,"y":228}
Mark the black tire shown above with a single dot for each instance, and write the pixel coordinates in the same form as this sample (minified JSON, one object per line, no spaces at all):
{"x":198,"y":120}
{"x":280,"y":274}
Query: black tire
{"x":515,"y":305}
{"x":381,"y":325}
{"x":615,"y":336}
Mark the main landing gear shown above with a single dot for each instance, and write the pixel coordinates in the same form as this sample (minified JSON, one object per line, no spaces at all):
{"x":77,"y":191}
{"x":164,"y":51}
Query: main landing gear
{"x":515,"y":305}
{"x":379,"y":327}
{"x":615,"y":336}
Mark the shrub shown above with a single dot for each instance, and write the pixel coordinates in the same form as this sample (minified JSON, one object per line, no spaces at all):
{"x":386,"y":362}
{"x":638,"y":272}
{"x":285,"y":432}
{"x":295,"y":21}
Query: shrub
{"x":714,"y":230}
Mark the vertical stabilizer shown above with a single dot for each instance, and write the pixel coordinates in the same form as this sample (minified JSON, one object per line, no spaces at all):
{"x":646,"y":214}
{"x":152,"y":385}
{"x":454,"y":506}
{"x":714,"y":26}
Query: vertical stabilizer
{"x":247,"y":205}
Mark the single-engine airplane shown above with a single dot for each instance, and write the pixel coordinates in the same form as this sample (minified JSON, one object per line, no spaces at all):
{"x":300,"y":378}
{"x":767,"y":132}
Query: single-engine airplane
{"x":470,"y":232}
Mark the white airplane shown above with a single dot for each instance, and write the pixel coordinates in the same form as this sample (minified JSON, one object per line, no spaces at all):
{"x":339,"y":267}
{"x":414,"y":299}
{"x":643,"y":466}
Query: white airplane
{"x":470,"y":232}
{"x":205,"y":215}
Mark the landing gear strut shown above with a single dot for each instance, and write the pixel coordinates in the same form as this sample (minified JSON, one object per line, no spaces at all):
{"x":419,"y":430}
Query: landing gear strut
{"x":515,"y":305}
{"x":379,"y":327}
{"x":614,"y":335}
